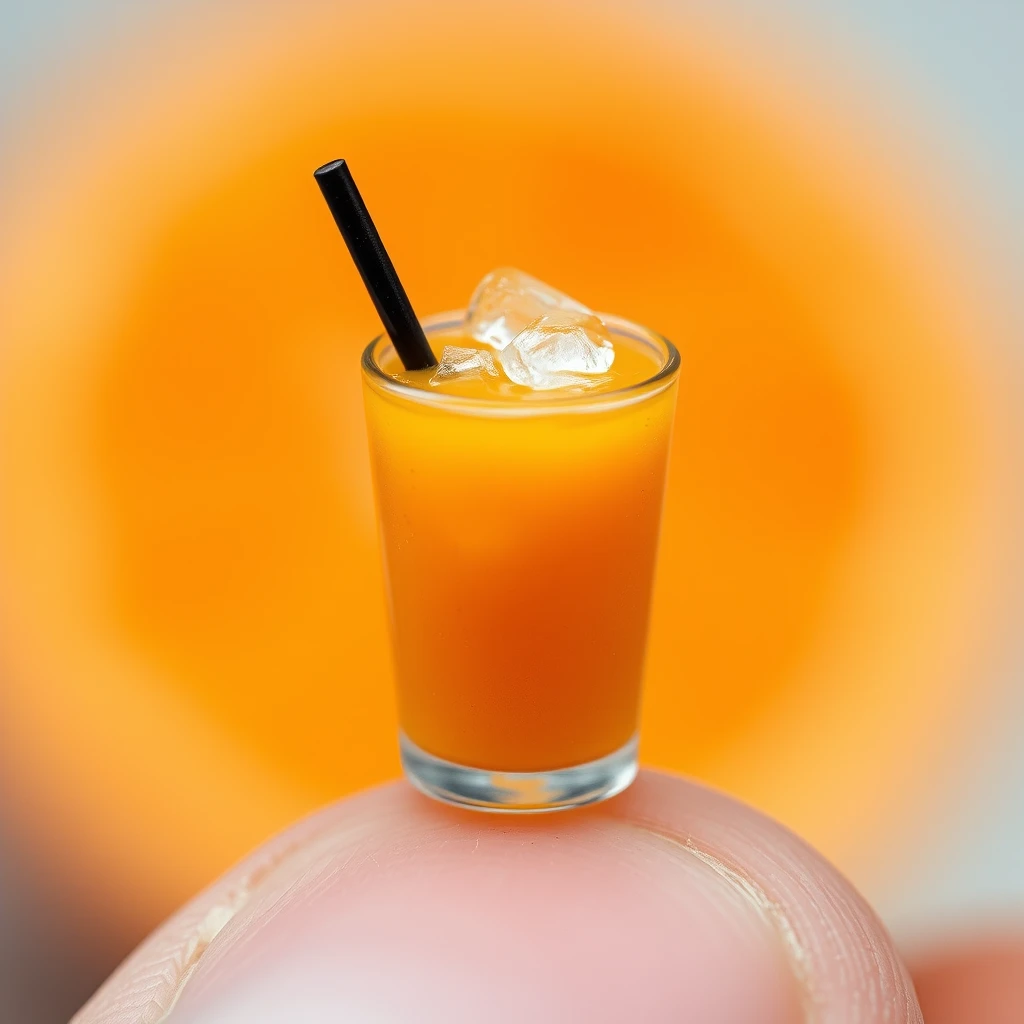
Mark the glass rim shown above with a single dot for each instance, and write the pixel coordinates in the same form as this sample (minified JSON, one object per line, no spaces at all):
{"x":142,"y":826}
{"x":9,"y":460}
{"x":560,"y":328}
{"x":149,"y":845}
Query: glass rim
{"x":615,"y":398}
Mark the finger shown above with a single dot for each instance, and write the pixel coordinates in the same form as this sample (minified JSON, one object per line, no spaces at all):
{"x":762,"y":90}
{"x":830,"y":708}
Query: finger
{"x":671,"y":902}
{"x":978,"y":981}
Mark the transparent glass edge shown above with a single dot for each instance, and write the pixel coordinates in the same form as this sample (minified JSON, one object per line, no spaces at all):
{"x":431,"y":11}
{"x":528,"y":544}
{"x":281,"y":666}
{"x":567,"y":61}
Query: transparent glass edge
{"x":607,"y":400}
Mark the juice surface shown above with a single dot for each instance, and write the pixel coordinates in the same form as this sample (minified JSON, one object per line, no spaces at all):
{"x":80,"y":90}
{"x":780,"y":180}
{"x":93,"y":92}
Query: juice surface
{"x":519,"y":555}
{"x":634,"y":363}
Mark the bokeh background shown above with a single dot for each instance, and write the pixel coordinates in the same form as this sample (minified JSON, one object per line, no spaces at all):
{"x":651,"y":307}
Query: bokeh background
{"x":821,"y":204}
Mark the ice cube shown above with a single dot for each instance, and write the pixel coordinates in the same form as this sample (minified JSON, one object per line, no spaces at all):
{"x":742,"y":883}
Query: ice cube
{"x":559,"y":350}
{"x":507,"y":300}
{"x":463,"y":364}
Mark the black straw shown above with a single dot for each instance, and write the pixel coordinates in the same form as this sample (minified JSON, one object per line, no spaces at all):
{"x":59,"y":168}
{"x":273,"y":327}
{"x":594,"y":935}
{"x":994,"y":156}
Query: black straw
{"x":374,"y":265}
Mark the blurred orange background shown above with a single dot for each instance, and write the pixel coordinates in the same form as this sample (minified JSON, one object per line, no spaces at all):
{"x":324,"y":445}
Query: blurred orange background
{"x":193,"y":631}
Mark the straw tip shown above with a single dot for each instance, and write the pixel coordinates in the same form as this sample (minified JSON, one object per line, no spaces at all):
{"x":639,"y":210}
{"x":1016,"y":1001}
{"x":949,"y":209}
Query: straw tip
{"x":328,"y":168}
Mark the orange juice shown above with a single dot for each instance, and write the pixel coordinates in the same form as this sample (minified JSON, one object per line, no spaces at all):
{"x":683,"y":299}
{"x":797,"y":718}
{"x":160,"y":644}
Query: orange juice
{"x":519,"y":531}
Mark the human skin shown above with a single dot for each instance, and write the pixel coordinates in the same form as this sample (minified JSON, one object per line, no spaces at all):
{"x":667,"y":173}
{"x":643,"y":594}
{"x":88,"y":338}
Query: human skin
{"x":671,"y":902}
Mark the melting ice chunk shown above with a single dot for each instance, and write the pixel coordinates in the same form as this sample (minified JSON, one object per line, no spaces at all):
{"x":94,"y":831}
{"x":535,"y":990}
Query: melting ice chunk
{"x":463,"y":364}
{"x":506,"y":301}
{"x":558,"y":350}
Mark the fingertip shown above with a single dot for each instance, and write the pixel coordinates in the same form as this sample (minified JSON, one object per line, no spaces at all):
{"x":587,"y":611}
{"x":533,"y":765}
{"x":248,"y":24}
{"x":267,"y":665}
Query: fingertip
{"x":548,"y":923}
{"x":670,"y":902}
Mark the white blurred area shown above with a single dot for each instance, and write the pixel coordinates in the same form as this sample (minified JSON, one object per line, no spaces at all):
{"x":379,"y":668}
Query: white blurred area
{"x":957,"y":63}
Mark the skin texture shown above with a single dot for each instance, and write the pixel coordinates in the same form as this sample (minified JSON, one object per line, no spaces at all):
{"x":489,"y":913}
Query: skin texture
{"x":669,"y":903}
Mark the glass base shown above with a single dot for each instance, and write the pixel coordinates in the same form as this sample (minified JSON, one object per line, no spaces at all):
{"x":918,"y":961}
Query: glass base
{"x":519,"y":792}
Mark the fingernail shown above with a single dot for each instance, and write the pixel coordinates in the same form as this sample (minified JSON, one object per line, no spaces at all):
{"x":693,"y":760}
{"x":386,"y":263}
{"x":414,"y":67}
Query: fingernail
{"x":590,"y":922}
